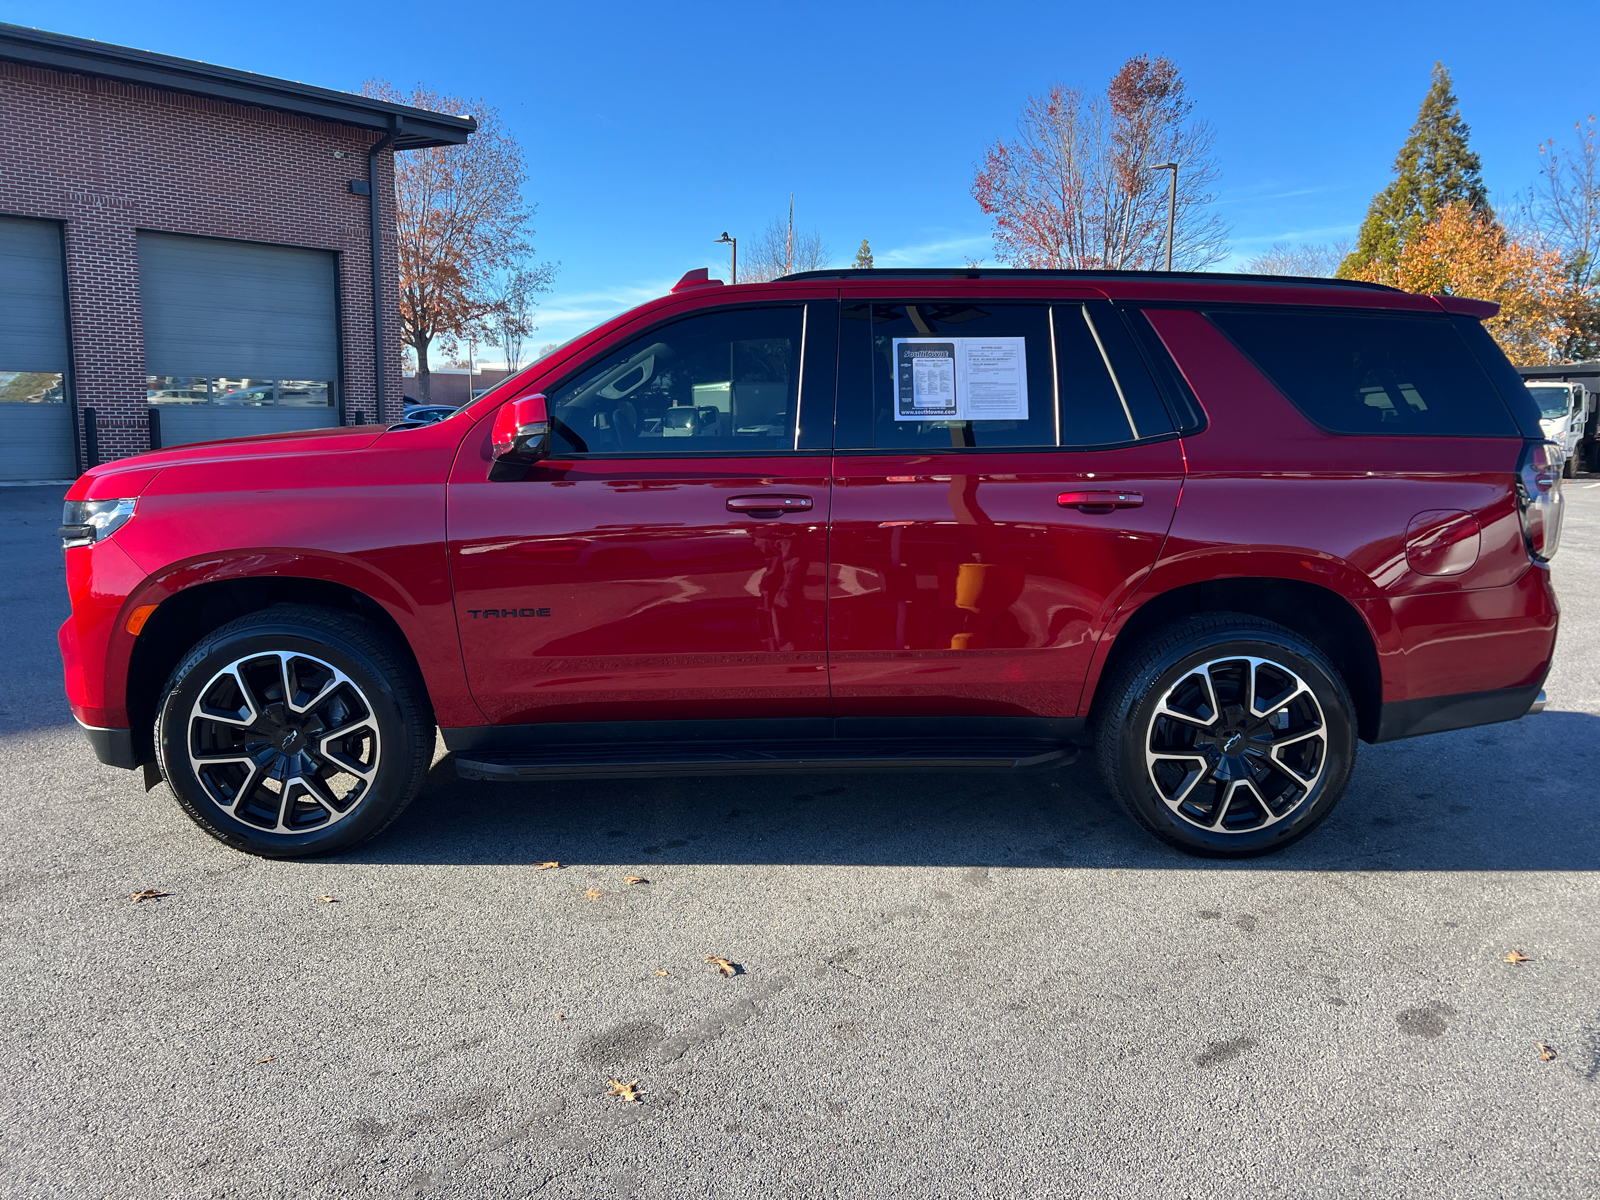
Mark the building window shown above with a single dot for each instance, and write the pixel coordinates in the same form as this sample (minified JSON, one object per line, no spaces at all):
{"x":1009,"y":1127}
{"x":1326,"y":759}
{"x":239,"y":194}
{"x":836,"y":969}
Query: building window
{"x":238,"y":391}
{"x":32,"y":387}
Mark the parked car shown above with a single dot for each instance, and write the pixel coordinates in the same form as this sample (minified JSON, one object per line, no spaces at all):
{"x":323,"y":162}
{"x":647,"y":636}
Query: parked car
{"x":1215,"y":530}
{"x":428,"y":414}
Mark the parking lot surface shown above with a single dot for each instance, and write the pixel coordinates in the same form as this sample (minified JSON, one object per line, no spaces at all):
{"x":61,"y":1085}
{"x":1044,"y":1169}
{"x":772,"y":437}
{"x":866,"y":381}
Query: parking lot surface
{"x":947,"y":986}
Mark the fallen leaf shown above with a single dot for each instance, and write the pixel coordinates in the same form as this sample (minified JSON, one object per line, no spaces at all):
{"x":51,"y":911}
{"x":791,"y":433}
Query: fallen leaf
{"x":628,"y":1093}
{"x":148,"y":894}
{"x":547,"y":866}
{"x":328,"y":899}
{"x":593,"y":894}
{"x":659,"y":972}
{"x":1546,"y":1053}
{"x":1516,"y":956}
{"x":267,"y":1059}
{"x":632,"y":879}
{"x":723,"y":965}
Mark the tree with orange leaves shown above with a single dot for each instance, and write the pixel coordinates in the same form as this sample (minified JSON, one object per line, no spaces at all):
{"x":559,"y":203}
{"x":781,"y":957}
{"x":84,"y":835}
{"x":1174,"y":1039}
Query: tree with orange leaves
{"x":1466,"y":253}
{"x":462,"y":229}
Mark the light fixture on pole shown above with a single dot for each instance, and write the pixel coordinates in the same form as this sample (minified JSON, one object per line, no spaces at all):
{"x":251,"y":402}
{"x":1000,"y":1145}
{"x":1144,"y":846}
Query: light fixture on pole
{"x":734,"y":243}
{"x":1172,"y":205}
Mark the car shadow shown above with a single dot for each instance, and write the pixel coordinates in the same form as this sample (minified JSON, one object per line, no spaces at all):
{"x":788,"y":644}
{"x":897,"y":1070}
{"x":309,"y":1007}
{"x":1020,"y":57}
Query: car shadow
{"x":1514,"y":797}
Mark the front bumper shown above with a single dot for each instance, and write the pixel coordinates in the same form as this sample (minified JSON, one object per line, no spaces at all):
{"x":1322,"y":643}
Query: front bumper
{"x":114,"y":747}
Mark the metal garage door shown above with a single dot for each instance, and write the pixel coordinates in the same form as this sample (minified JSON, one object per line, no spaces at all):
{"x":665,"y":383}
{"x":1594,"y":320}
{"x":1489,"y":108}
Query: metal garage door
{"x":36,"y":435}
{"x":239,"y":337}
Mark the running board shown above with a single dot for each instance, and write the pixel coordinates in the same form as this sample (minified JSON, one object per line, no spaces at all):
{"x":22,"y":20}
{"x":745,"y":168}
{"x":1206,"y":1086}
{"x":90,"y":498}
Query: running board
{"x":757,"y":758}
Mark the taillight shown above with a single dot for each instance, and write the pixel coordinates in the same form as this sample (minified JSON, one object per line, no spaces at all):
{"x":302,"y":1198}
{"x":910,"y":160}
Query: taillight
{"x":1539,"y":493}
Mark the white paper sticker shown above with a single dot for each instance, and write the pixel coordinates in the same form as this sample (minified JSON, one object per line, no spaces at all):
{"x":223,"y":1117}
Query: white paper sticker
{"x":961,"y":379}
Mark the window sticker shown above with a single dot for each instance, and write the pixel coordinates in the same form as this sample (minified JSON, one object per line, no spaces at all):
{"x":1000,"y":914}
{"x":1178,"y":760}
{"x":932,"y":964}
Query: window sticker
{"x":961,"y":379}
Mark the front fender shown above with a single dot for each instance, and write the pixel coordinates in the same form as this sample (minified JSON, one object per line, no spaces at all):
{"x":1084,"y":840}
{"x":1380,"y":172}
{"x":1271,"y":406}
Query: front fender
{"x":427,"y":622}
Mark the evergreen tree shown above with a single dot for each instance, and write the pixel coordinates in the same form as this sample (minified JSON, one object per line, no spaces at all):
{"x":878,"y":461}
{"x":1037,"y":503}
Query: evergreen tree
{"x":1434,"y":168}
{"x":864,"y":255}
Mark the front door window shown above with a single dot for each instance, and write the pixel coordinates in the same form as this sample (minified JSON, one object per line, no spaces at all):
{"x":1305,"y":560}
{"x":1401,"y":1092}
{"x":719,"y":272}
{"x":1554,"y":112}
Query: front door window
{"x":723,"y":381}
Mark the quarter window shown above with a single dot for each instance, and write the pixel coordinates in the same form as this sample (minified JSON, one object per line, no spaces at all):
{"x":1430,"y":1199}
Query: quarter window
{"x":718,"y":381}
{"x":1384,"y":374}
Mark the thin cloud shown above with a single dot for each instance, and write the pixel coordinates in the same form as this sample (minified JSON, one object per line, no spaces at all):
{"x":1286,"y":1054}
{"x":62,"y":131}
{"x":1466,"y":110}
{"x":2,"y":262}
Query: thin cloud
{"x":562,"y":316}
{"x":946,"y":252}
{"x":1299,"y":235}
{"x":1257,"y":198}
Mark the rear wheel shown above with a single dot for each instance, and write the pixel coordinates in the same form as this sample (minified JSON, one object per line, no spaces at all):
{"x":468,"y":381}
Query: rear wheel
{"x":1227,"y":735}
{"x":294,"y":731}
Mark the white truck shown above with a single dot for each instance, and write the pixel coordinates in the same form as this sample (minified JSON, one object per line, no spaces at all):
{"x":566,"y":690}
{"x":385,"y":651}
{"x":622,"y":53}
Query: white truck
{"x":1567,"y":399}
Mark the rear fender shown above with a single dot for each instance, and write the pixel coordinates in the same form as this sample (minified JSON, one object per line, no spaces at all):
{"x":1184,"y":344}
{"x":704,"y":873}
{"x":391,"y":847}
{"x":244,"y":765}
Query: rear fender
{"x":1202,"y":565}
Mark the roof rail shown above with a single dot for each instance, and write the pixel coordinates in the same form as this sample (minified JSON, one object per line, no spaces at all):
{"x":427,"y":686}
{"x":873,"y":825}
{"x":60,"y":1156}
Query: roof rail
{"x":1043,"y":273}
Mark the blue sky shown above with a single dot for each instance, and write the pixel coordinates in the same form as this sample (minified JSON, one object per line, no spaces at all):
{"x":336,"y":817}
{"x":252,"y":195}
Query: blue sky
{"x":650,"y":128}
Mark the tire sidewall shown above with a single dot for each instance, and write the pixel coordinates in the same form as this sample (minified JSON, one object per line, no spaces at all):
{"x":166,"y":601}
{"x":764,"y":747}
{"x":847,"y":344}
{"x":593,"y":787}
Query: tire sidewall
{"x":201,"y":666}
{"x":1152,"y":685}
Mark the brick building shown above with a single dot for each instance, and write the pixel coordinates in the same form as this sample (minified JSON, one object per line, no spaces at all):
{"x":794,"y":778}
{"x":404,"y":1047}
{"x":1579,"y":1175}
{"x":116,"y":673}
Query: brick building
{"x":455,"y":385}
{"x":186,"y":252}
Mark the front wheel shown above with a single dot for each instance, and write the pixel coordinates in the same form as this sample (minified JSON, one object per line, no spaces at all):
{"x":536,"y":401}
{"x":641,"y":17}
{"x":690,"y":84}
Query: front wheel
{"x":294,"y":731}
{"x":1227,"y":735}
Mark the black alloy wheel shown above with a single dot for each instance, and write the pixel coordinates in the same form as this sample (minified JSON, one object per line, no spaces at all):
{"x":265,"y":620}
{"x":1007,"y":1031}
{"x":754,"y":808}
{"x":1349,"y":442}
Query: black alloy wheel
{"x":1226,"y":735}
{"x":294,"y":731}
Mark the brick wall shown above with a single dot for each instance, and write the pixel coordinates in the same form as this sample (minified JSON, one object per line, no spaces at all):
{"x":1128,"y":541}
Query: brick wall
{"x":109,"y":159}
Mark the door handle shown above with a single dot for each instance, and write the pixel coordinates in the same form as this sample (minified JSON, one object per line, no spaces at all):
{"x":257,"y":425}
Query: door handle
{"x":1099,"y":502}
{"x":768,"y":504}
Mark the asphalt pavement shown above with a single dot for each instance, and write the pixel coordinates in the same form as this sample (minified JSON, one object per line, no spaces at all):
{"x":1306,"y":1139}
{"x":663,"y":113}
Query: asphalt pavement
{"x":947,"y":986}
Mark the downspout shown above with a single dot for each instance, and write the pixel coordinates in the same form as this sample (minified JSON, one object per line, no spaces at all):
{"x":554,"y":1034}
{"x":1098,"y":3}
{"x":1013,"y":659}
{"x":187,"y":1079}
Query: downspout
{"x":375,"y":229}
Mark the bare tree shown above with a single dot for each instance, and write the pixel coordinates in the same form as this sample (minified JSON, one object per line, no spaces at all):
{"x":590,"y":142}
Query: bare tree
{"x":1077,"y":188}
{"x":1562,"y":213}
{"x":512,"y":319}
{"x":1307,"y":260}
{"x":461,"y":224}
{"x":777,"y":252}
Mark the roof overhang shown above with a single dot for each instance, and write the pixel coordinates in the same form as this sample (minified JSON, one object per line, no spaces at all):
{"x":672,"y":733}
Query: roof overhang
{"x":414,"y":128}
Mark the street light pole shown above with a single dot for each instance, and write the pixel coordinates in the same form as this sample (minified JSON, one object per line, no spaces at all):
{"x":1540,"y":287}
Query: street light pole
{"x":1172,"y":205}
{"x":734,"y":243}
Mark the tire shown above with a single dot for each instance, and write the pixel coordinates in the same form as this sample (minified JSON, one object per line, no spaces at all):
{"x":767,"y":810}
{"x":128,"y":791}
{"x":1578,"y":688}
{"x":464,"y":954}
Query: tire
{"x":1169,"y":766}
{"x":322,"y":772}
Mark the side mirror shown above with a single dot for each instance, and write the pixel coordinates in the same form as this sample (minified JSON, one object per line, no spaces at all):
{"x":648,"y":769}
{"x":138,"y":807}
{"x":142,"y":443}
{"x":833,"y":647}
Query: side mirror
{"x":522,"y":431}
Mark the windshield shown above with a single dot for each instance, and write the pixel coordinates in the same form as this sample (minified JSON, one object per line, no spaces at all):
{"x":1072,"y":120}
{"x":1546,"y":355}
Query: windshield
{"x":1552,"y":401}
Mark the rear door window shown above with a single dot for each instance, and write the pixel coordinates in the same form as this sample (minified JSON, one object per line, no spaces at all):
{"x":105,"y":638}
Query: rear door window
{"x":953,"y":375}
{"x":1384,"y":374}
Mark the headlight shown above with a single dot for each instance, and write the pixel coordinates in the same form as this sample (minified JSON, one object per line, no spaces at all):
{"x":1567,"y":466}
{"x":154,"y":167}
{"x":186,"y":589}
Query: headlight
{"x":85,"y":522}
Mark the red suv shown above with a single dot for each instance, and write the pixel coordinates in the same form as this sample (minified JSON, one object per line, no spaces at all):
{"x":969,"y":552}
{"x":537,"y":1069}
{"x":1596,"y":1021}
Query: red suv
{"x":1216,"y":528}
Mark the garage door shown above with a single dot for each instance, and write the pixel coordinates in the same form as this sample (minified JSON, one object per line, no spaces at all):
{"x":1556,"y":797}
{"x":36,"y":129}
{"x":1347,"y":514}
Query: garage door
{"x":36,"y":437}
{"x":239,"y":337}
